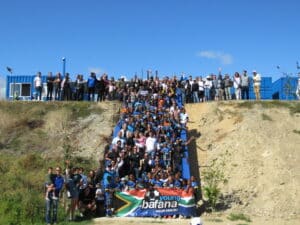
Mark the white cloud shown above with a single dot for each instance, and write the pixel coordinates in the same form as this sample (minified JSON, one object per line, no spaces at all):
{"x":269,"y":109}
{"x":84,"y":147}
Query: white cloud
{"x":225,"y":58}
{"x":2,"y":87}
{"x":96,"y":70}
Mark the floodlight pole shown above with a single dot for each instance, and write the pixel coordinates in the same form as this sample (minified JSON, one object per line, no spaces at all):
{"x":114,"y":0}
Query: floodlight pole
{"x":64,"y":66}
{"x":14,"y":84}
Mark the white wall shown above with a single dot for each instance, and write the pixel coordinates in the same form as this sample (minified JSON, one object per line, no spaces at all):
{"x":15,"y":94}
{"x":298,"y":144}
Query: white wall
{"x":2,"y":87}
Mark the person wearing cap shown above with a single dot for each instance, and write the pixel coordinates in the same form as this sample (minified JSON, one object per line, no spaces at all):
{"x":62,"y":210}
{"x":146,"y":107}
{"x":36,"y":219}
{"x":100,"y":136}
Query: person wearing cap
{"x":227,"y":86}
{"x":256,"y":84}
{"x":245,"y":85}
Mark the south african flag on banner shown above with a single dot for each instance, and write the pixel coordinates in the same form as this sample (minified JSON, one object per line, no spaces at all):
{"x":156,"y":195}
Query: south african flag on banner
{"x":156,"y":202}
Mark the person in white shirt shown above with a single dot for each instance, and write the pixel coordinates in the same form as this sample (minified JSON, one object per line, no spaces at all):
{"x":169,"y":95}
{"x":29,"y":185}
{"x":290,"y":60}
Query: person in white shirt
{"x":298,"y":87}
{"x":201,"y":89}
{"x":151,"y":144}
{"x":256,"y":84}
{"x":237,"y":85}
{"x":38,"y":86}
{"x":184,"y":117}
{"x":119,"y":137}
{"x":207,"y":88}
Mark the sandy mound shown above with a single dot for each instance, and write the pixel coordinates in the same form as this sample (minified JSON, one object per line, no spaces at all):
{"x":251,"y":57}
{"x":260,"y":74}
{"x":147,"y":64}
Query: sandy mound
{"x":262,"y":158}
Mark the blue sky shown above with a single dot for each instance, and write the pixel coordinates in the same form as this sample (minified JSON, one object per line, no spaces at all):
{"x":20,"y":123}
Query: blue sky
{"x":124,"y":37}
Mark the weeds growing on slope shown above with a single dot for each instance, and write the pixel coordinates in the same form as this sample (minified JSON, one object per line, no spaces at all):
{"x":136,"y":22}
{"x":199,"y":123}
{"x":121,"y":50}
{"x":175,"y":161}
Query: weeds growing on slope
{"x":213,"y":177}
{"x":266,"y":117}
{"x":239,"y":216}
{"x":296,"y":131}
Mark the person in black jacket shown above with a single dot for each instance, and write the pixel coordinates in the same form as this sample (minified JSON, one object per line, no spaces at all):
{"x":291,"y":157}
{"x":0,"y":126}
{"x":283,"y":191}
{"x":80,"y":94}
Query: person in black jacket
{"x":50,"y":80}
{"x":195,"y":89}
{"x":101,"y":89}
{"x":79,"y":86}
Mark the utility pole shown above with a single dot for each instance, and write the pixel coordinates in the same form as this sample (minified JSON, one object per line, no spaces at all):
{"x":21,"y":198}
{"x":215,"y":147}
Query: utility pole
{"x":64,"y":66}
{"x":14,"y":84}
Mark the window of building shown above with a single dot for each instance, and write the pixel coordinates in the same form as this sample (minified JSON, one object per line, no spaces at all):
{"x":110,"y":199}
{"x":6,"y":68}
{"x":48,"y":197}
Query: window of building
{"x":25,"y":90}
{"x":21,"y":90}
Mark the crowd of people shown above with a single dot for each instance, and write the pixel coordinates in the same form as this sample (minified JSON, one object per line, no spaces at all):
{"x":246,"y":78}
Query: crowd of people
{"x":193,"y":90}
{"x":148,"y":148}
{"x":146,"y":153}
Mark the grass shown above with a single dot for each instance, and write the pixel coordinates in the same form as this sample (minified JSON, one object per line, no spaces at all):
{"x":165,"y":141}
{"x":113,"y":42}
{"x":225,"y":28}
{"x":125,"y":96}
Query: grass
{"x":274,"y":104}
{"x":23,"y":124}
{"x":216,"y":220}
{"x":38,"y":110}
{"x":264,"y":104}
{"x":266,"y":117}
{"x":25,"y":137}
{"x":238,"y":216}
{"x":154,"y":221}
{"x":247,"y":104}
{"x":294,"y":107}
{"x":296,"y":131}
{"x":22,"y":198}
{"x":85,"y":222}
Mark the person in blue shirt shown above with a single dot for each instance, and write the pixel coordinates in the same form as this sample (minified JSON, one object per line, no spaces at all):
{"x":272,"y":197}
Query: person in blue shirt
{"x":166,"y":151}
{"x":131,"y":182}
{"x":91,"y":85}
{"x":51,"y":202}
{"x":109,"y":188}
{"x":157,"y":182}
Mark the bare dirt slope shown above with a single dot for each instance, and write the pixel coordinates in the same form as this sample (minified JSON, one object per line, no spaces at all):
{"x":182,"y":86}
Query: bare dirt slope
{"x":56,"y":129}
{"x":87,"y":136}
{"x":262,"y":161}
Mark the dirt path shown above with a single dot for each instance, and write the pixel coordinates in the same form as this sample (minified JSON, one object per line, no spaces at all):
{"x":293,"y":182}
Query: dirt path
{"x":207,"y":220}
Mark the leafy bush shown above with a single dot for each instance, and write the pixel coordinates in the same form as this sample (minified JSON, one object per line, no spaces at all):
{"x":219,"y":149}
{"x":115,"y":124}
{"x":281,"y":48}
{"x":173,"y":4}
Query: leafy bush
{"x":213,"y":177}
{"x":212,"y":194}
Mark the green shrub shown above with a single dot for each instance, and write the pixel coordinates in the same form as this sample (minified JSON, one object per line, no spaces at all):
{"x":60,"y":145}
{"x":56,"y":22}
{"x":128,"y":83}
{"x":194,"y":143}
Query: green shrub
{"x":266,"y":117}
{"x":213,"y":176}
{"x":239,"y":216}
{"x":295,"y":108}
{"x":212,"y":193}
{"x":274,"y":104}
{"x":247,"y":104}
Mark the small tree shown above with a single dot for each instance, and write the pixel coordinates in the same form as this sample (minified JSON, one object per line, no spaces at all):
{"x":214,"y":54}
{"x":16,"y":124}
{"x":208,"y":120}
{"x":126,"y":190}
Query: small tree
{"x":213,"y":177}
